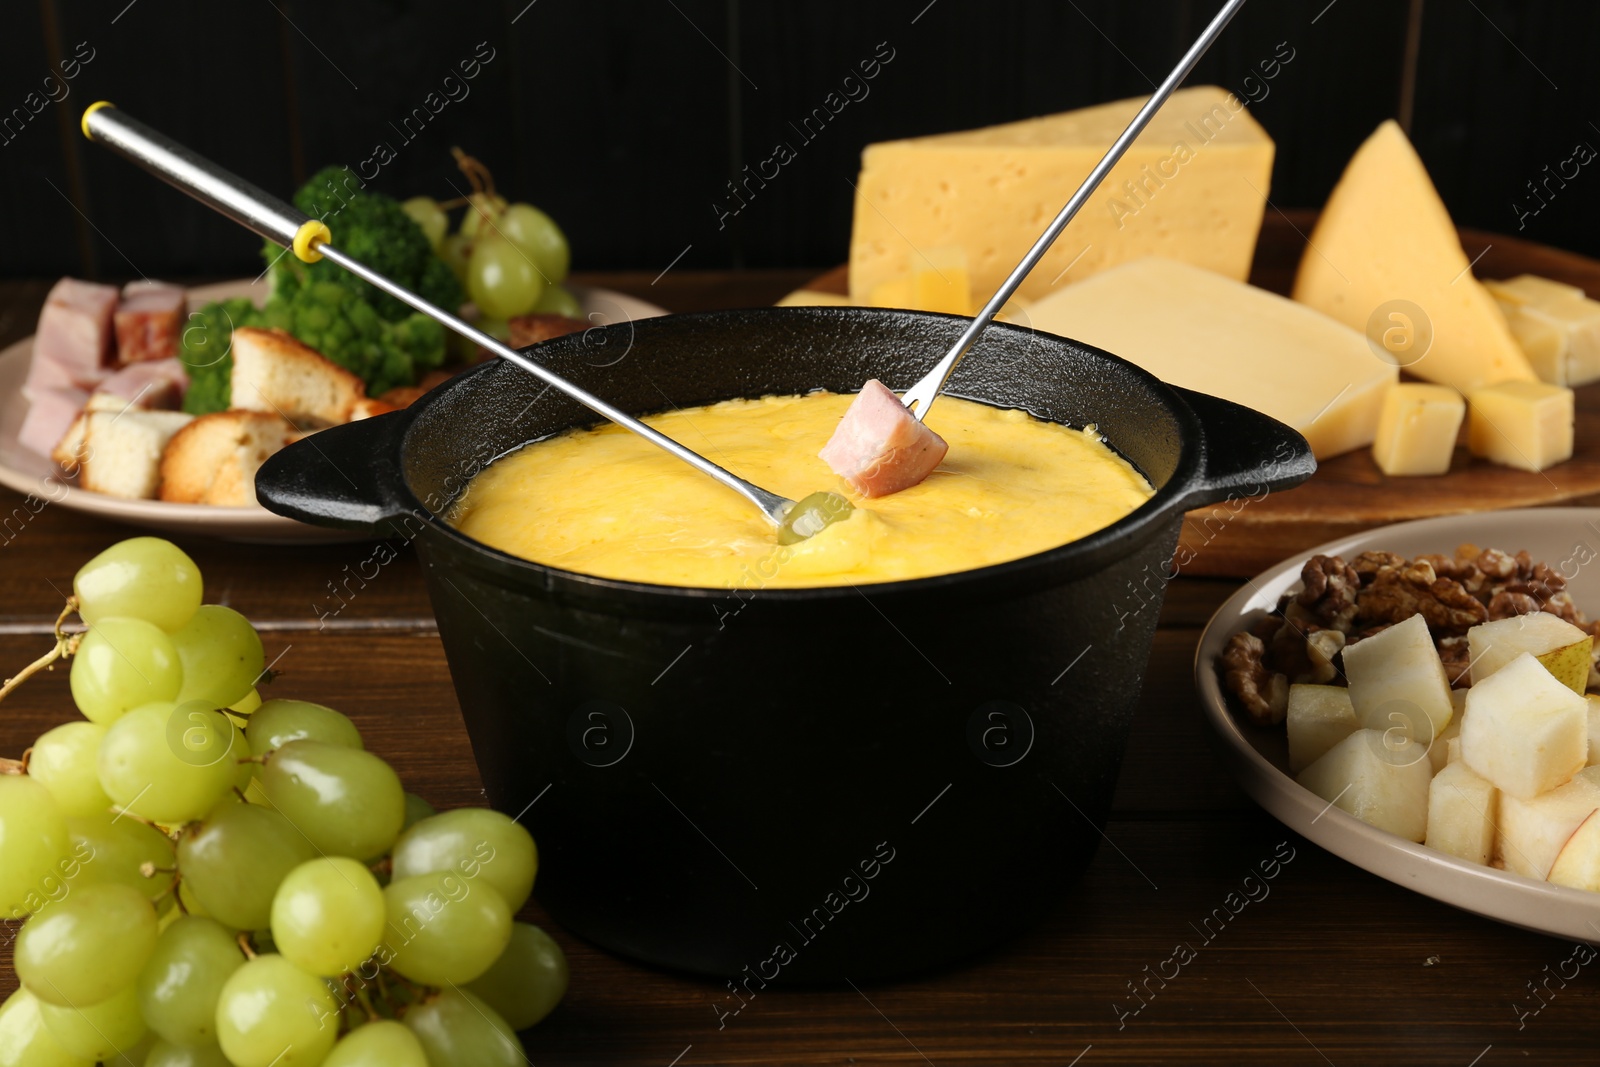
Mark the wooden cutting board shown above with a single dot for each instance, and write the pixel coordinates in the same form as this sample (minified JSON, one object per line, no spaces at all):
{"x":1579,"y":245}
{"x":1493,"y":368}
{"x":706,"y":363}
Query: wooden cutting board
{"x":1349,"y":493}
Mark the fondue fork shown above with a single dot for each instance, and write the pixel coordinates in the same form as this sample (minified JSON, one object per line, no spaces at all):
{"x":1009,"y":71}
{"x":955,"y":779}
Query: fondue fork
{"x":311,"y":239}
{"x":880,"y":446}
{"x":920,"y":397}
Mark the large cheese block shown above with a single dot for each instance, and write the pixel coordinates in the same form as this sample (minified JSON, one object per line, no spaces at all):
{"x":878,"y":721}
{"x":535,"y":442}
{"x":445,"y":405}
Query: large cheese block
{"x":1196,"y":329}
{"x":1385,"y":247}
{"x":1192,"y":187}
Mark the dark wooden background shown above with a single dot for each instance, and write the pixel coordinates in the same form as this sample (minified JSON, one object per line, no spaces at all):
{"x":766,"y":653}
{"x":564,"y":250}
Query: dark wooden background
{"x":626,"y":118}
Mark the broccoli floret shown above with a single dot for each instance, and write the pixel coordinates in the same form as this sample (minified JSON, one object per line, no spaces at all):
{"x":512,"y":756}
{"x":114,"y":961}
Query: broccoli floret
{"x":206,"y":352}
{"x":356,"y":325}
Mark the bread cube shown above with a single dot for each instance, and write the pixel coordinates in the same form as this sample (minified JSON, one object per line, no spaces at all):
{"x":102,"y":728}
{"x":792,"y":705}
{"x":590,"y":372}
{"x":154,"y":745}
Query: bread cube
{"x":1319,"y":717}
{"x":1379,"y":777}
{"x":1527,"y":425}
{"x":1417,"y":428}
{"x":1462,"y":807}
{"x":1396,"y":679}
{"x":1524,"y":731}
{"x":1531,"y":832}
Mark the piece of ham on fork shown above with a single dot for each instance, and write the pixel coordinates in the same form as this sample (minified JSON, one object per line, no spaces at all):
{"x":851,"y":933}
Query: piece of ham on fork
{"x":879,"y":447}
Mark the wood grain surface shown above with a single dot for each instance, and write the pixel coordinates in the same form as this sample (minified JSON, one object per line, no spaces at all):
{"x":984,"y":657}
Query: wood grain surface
{"x":1330,"y":966}
{"x":1349,"y":493}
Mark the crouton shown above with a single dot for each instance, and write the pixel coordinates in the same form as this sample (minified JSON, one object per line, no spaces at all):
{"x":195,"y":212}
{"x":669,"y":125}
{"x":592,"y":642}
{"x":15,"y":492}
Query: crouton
{"x":214,"y":459}
{"x":274,"y":373}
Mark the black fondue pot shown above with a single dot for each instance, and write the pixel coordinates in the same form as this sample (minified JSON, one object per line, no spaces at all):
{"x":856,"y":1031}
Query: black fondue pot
{"x":769,"y":785}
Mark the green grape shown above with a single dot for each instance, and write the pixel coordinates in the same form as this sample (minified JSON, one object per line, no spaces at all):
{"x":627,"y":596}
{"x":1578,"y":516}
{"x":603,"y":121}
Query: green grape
{"x":426,"y":213}
{"x":115,"y":848}
{"x":99,"y":1031}
{"x":191,"y":904}
{"x":88,"y":946}
{"x":121,"y":664}
{"x":444,"y":929}
{"x":528,"y":979}
{"x":247,"y":769}
{"x":25,"y":1041}
{"x":222,"y":656}
{"x":477,"y":843}
{"x":246,"y":705}
{"x":346,"y":801}
{"x":384,"y":1043}
{"x":483,"y":214}
{"x":234,"y":861}
{"x":179,"y":986}
{"x":64,"y":761}
{"x":499,"y":329}
{"x":457,"y":1028}
{"x":163,"y":764}
{"x":273,"y":1014}
{"x":166,"y":1054}
{"x":558,"y":300}
{"x":144,"y":578}
{"x":417,"y":809}
{"x":456,"y":251}
{"x":502,"y":279}
{"x":133,"y":1055}
{"x":328,"y":915}
{"x":33,"y":841}
{"x":277,"y":722}
{"x":537,"y":234}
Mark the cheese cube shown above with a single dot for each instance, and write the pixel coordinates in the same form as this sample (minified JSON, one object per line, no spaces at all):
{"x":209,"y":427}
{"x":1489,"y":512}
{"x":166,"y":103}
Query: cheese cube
{"x":1527,"y":289}
{"x":1527,"y":425}
{"x":1386,"y":236}
{"x":1417,"y":429}
{"x":1193,"y":187}
{"x":939,"y":282}
{"x":1196,"y":329}
{"x":1557,"y":326}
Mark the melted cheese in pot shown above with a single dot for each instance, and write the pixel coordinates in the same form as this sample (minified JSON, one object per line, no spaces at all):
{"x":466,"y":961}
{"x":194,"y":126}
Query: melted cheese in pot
{"x":606,"y":503}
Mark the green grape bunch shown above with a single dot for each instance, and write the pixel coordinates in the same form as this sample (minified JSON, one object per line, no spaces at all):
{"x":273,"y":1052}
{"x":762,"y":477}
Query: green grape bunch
{"x":208,"y":878}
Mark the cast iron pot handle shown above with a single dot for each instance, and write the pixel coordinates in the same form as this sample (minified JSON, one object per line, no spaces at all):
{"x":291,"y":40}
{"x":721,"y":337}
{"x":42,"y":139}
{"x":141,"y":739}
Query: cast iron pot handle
{"x":345,"y":476}
{"x":1247,"y":454}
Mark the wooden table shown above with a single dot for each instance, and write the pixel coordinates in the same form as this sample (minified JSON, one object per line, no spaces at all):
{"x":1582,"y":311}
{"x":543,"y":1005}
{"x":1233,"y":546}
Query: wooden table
{"x":1334,"y":966}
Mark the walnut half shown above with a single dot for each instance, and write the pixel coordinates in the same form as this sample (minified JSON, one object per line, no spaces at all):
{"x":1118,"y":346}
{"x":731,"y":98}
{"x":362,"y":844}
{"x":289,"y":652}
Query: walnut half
{"x":1263,"y":694}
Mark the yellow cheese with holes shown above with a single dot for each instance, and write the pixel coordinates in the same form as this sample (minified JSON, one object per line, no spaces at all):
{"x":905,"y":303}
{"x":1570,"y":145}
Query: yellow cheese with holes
{"x":1202,"y":331}
{"x":1527,"y":425}
{"x":1417,"y":429}
{"x":1557,"y":326}
{"x":1192,"y":187}
{"x":1385,"y":237}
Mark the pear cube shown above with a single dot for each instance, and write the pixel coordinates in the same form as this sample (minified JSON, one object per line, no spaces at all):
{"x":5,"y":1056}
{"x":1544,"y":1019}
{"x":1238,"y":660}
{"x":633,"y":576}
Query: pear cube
{"x":1523,"y":730}
{"x":1380,"y":777}
{"x":1578,"y":863}
{"x":1492,"y":645}
{"x":1532,"y":832}
{"x":1449,"y":740}
{"x":1593,"y":700}
{"x":1462,"y":807}
{"x":1397,"y":680}
{"x":1319,"y":717}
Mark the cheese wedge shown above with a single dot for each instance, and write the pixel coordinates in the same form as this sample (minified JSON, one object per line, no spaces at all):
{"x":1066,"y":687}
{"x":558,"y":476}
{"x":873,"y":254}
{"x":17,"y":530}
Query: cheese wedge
{"x":1385,"y":236}
{"x":1202,"y":331}
{"x":1192,"y":187}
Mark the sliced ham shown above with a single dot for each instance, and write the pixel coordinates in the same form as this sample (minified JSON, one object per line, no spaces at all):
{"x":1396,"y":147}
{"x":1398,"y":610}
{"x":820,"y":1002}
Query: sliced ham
{"x":149,"y":322}
{"x":156,"y":384}
{"x":75,"y":330}
{"x":50,"y":415}
{"x":879,"y":447}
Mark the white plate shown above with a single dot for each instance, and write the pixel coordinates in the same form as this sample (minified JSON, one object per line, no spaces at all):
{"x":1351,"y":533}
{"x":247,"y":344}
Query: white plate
{"x":1258,"y":757}
{"x":28,"y":472}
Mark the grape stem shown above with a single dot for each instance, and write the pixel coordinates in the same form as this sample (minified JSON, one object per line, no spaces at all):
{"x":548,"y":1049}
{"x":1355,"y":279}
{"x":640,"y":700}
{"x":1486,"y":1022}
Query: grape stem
{"x":475,"y":172}
{"x":245,"y":946}
{"x":66,"y":645}
{"x":15,"y":766}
